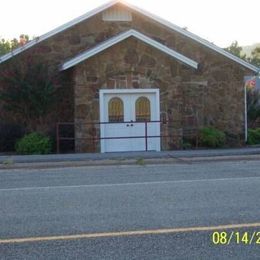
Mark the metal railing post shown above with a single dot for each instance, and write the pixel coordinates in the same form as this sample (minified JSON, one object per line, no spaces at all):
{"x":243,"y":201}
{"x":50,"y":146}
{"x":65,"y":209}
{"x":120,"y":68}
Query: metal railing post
{"x":146,"y":141}
{"x":96,"y":135}
{"x":58,"y":138}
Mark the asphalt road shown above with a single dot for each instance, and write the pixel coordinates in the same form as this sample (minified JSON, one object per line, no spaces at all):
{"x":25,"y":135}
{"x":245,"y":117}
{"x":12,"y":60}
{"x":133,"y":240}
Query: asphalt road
{"x":93,"y":200}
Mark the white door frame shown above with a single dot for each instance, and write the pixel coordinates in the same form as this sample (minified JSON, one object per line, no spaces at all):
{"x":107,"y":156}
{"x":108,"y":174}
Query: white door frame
{"x":103,"y":92}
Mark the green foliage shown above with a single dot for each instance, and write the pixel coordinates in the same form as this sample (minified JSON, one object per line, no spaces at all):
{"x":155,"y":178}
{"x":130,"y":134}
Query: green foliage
{"x":140,"y":161}
{"x":186,"y":145}
{"x":211,"y":137}
{"x":33,"y":143}
{"x":28,"y":91}
{"x":9,"y":134}
{"x":236,"y":50}
{"x":253,"y":136}
{"x":8,"y":162}
{"x":255,"y":57}
{"x":253,"y":106}
{"x":7,"y":46}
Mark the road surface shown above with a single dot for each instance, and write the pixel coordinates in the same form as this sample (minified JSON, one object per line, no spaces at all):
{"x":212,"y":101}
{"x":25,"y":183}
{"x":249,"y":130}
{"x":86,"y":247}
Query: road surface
{"x":131,"y":212}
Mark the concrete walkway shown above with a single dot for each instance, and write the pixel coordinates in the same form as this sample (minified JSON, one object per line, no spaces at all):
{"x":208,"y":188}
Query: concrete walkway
{"x":98,"y":158}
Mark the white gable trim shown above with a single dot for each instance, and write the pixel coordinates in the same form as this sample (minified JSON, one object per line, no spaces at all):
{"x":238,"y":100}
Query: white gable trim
{"x":139,"y":10}
{"x":57,"y":30}
{"x":121,"y":37}
{"x":193,"y":37}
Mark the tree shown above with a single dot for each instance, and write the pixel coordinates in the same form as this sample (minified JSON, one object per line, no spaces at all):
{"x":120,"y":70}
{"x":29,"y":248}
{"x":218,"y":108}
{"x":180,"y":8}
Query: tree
{"x":28,"y":90}
{"x":4,"y":47}
{"x":236,"y":50}
{"x":253,"y":107}
{"x":7,"y":46}
{"x":255,"y":57}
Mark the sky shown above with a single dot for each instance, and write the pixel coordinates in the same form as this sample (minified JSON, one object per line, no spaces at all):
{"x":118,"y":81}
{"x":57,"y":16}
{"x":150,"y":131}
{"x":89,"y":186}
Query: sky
{"x":218,"y":21}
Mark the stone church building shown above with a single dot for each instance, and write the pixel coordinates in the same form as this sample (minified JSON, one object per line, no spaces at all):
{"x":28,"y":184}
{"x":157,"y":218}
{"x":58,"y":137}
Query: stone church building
{"x":133,"y":75}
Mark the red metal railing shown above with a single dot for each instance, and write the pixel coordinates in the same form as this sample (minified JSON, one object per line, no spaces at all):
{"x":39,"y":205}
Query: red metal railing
{"x":95,"y":138}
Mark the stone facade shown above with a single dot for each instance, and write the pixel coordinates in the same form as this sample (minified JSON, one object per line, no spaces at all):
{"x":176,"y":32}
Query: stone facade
{"x":189,"y":99}
{"x":213,"y":95}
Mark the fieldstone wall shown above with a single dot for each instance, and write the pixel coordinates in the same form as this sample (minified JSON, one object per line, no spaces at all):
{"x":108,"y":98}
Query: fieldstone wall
{"x":189,"y":99}
{"x":213,"y":95}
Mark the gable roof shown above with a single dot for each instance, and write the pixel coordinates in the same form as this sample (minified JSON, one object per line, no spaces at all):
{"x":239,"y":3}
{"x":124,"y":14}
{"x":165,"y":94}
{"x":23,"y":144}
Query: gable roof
{"x":121,"y":37}
{"x":139,"y":10}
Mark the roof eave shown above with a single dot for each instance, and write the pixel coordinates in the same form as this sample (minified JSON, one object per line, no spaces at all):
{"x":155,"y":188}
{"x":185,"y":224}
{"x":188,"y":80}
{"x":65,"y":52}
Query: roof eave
{"x":139,"y":10}
{"x":58,"y":30}
{"x":193,"y":37}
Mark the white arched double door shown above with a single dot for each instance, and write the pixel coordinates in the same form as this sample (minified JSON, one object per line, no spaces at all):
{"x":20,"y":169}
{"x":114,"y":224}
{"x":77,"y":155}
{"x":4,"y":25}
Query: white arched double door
{"x":124,"y":113}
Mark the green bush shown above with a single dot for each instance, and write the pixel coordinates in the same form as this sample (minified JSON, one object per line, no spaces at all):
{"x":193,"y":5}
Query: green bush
{"x":211,"y":137}
{"x":33,"y":143}
{"x":186,"y":145}
{"x":253,"y":136}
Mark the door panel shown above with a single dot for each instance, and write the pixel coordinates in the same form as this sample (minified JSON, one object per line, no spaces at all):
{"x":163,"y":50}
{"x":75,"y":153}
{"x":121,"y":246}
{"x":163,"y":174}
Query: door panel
{"x":129,"y":107}
{"x":114,"y":129}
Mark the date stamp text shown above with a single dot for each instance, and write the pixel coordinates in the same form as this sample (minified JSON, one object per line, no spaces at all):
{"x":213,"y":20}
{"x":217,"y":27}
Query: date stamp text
{"x":235,"y":237}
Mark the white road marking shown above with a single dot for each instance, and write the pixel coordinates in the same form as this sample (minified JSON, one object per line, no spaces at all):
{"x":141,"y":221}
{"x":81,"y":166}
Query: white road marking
{"x":130,"y":184}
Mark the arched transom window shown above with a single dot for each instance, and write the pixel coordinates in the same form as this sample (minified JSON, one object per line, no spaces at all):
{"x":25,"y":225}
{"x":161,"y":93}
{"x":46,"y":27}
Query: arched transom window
{"x":142,"y":109}
{"x":115,"y":110}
